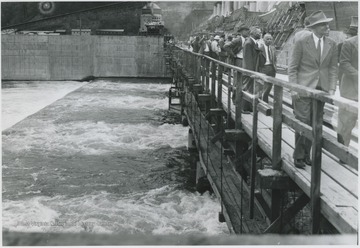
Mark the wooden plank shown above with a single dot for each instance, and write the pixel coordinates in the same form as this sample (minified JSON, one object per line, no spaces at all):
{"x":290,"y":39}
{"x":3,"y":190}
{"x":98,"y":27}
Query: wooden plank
{"x":287,"y":149}
{"x":329,"y":143}
{"x":346,"y":178}
{"x":332,"y":193}
{"x":235,"y":135}
{"x":204,"y":97}
{"x":264,"y":108}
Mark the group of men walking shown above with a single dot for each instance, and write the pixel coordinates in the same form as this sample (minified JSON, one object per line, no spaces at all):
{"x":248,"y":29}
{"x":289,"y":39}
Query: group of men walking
{"x":314,"y":61}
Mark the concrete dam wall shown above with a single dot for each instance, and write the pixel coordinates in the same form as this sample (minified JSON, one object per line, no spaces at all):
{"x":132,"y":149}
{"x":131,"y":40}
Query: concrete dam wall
{"x":68,"y":57}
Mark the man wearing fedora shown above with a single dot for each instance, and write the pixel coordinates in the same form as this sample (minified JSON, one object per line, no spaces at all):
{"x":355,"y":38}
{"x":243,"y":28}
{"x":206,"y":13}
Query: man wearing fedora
{"x":349,"y":82}
{"x":312,"y":63}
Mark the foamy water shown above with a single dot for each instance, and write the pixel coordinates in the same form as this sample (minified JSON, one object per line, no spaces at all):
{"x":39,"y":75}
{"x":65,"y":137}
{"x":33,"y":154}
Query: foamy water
{"x":100,"y":160}
{"x":94,"y":138}
{"x":25,"y":98}
{"x":160,"y":211}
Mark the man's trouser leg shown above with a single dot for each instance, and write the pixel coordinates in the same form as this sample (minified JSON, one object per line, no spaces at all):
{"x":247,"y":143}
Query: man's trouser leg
{"x":248,"y":86}
{"x":346,"y":123}
{"x":303,"y":112}
{"x":268,"y":70}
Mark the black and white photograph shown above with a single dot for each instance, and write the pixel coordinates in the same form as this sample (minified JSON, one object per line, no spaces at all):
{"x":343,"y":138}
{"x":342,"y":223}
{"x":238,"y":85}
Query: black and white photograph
{"x":179,"y":123}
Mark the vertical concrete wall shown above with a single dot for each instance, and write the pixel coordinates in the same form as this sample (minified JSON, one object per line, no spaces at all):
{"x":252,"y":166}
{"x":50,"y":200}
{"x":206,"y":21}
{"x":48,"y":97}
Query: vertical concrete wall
{"x":25,"y":57}
{"x":75,"y":57}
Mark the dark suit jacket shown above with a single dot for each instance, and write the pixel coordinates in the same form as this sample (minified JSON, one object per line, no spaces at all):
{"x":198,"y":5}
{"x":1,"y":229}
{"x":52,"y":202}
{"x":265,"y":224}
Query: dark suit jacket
{"x":349,"y":67}
{"x":306,"y":69}
{"x":251,"y":55}
{"x":262,"y":56}
{"x":233,"y":47}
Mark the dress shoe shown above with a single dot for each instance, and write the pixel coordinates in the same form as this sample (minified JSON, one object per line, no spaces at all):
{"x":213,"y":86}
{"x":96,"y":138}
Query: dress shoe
{"x":299,"y":163}
{"x":307,"y":161}
{"x":245,"y":112}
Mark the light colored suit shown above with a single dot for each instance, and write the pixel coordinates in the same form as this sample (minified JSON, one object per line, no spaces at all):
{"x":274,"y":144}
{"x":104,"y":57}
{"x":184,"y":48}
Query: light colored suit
{"x":349,"y":66}
{"x":348,"y":87}
{"x":306,"y":69}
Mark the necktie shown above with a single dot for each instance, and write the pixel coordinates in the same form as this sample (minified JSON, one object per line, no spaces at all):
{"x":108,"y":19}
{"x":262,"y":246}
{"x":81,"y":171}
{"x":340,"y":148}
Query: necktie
{"x":269,"y":54}
{"x":319,"y":50}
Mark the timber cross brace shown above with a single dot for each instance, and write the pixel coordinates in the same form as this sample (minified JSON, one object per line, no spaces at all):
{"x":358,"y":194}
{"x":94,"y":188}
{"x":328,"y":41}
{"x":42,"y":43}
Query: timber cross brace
{"x":239,"y":143}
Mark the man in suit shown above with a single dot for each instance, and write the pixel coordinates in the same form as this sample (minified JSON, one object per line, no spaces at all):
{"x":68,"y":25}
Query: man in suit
{"x":312,"y":63}
{"x":267,"y":64}
{"x":251,"y":62}
{"x":235,"y":47}
{"x":349,"y":83}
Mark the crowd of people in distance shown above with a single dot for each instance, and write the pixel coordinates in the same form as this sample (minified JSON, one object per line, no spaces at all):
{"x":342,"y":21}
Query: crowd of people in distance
{"x":315,"y":61}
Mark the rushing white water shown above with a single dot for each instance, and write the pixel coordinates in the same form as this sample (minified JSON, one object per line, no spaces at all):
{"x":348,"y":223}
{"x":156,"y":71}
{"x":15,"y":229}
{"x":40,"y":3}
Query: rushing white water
{"x":160,"y":211}
{"x":26,"y":98}
{"x":99,"y":160}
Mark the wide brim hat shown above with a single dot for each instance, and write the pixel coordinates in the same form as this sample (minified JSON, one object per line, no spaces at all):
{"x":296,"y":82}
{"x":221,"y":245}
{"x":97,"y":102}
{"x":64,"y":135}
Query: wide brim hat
{"x":317,"y":17}
{"x":217,"y":37}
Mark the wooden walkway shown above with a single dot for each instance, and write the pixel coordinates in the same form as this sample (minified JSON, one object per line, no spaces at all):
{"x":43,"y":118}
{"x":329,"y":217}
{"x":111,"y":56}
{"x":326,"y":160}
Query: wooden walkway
{"x":331,"y":187}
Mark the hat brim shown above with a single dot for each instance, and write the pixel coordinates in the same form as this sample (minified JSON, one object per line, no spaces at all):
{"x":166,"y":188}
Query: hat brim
{"x":320,"y":21}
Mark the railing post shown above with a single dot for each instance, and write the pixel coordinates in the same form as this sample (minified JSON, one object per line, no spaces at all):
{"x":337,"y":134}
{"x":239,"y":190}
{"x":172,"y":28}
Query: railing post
{"x":277,"y":127}
{"x":317,"y":122}
{"x":213,"y":82}
{"x":219,"y":86}
{"x":253,"y":152}
{"x":238,"y":99}
{"x":198,"y":60}
{"x":230,"y":84}
{"x":202,"y":71}
{"x":207,"y":75}
{"x":276,"y":149}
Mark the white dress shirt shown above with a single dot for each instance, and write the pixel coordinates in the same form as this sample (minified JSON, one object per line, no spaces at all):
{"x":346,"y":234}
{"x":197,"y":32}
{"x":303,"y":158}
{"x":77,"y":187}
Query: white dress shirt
{"x":268,"y":62}
{"x":316,"y":40}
